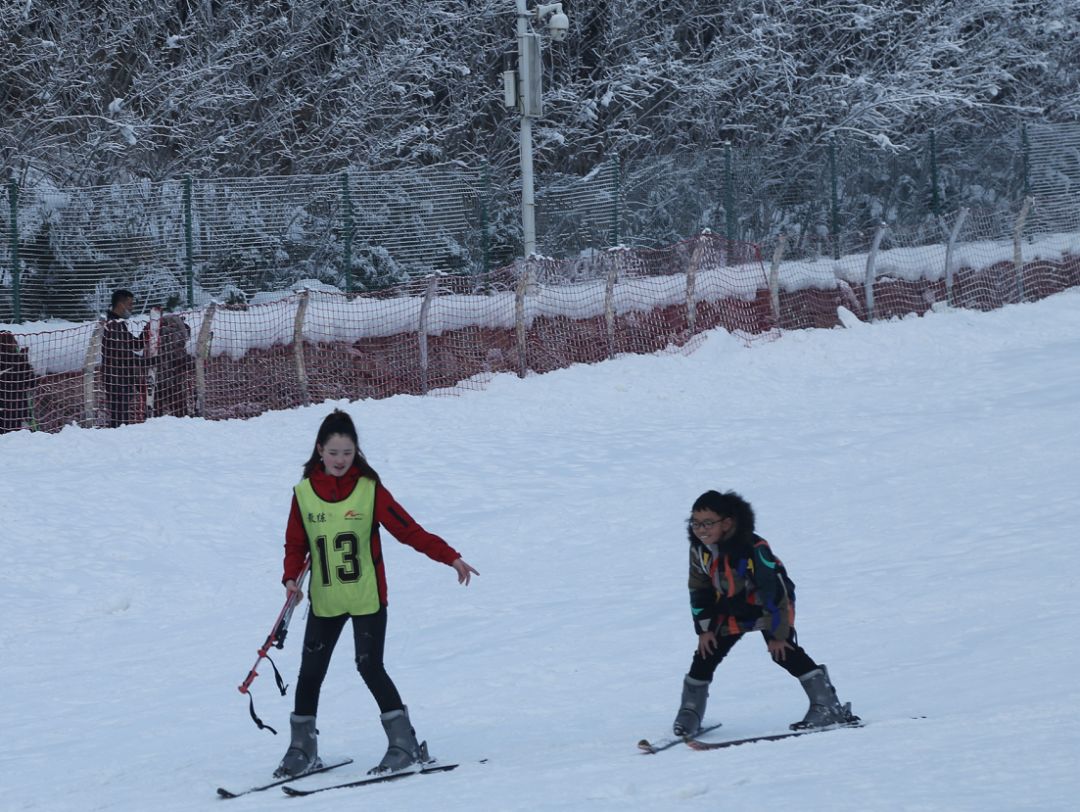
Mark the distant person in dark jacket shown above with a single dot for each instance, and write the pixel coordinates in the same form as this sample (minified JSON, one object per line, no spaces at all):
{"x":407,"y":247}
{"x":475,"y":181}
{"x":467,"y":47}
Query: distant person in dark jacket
{"x":16,"y":381}
{"x":122,"y":363}
{"x":176,"y":368}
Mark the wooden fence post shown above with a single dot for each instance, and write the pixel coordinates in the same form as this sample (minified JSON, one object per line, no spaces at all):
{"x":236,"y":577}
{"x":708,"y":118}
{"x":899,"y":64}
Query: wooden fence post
{"x":422,"y":330}
{"x":298,"y":346}
{"x":202,"y":353}
{"x":1018,"y":243}
{"x":691,"y":285}
{"x":519,"y":321}
{"x":950,"y":250}
{"x":609,"y":309}
{"x":90,"y":365}
{"x":871,"y":270}
{"x":774,"y":276}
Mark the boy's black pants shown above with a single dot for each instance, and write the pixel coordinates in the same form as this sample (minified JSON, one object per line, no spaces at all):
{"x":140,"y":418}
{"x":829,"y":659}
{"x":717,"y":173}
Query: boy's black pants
{"x":796,"y":661}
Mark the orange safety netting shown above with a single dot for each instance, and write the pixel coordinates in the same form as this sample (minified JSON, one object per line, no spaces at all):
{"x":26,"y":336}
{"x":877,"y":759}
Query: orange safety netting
{"x":296,"y":348}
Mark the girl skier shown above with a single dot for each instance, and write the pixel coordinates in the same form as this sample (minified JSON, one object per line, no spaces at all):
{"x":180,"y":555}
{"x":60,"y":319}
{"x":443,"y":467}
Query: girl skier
{"x":337,"y":510}
{"x":737,"y":586}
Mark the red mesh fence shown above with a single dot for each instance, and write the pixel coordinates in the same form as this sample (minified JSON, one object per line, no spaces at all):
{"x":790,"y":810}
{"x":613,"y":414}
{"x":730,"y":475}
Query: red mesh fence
{"x":453,"y":331}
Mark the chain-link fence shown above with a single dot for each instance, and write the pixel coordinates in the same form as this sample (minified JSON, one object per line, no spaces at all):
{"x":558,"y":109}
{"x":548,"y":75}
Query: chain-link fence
{"x":817,"y":194}
{"x":187,"y":242}
{"x":447,"y":331}
{"x":1052,"y":173}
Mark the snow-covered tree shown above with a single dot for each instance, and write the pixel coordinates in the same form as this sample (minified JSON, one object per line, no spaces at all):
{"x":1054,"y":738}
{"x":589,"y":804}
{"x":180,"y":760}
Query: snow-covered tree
{"x":102,"y":91}
{"x":94,"y":93}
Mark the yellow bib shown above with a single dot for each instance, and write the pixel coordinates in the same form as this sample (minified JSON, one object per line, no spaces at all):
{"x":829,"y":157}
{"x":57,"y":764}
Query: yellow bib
{"x":343,"y":578}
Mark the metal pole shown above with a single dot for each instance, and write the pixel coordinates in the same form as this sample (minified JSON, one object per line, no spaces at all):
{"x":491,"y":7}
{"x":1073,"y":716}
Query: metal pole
{"x":485,"y":191}
{"x":16,"y":282}
{"x":834,"y":225}
{"x":189,"y":243}
{"x":346,"y":204}
{"x":618,"y":193}
{"x":935,"y":198}
{"x":729,"y":195}
{"x":1025,"y":159}
{"x":528,"y":203}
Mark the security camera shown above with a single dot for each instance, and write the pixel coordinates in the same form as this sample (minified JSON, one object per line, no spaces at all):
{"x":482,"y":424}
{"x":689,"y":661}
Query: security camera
{"x":558,"y":26}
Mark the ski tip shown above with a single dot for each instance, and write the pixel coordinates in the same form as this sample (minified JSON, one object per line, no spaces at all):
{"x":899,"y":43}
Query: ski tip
{"x":646,"y":747}
{"x":224,"y":793}
{"x":436,"y":767}
{"x":292,"y":792}
{"x":854,"y":721}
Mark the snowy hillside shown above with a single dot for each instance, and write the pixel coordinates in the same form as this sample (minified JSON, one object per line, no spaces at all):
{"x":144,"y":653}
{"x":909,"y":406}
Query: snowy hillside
{"x":918,"y":478}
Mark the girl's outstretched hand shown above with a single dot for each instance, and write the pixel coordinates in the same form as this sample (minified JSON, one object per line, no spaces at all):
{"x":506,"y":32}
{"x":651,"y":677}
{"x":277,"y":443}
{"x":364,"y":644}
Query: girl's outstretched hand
{"x":464,"y":571}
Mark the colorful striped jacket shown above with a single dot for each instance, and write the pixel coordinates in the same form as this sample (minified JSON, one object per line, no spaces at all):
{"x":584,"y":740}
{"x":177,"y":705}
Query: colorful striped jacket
{"x":740,"y":587}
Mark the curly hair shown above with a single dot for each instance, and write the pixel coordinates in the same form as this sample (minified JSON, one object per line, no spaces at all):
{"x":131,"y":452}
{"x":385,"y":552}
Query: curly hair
{"x":727,"y":505}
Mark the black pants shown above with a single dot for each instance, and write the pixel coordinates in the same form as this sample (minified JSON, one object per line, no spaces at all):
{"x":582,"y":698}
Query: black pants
{"x":320,"y":637}
{"x":796,"y":661}
{"x":120,"y":401}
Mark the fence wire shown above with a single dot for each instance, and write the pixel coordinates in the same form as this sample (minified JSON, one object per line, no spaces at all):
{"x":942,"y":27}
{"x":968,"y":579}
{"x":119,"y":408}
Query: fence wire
{"x":187,"y":242}
{"x":448,"y":332}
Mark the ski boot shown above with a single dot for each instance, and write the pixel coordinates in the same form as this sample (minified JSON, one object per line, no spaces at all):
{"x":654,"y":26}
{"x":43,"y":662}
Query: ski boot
{"x":695,"y":694}
{"x":303,"y":753}
{"x":825,"y":708}
{"x":402,"y":748}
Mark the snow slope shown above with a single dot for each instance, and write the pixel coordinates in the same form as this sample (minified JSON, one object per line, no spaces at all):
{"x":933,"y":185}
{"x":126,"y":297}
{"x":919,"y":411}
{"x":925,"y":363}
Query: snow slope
{"x":918,"y":478}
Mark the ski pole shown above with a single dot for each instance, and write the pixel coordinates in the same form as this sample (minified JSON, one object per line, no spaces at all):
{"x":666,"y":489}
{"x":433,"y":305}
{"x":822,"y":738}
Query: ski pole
{"x":276,"y":639}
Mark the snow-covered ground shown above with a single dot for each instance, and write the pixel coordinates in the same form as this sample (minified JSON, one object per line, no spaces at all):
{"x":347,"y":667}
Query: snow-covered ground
{"x":918,"y":477}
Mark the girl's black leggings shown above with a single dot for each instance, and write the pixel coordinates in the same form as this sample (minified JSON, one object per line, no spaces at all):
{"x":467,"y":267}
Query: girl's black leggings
{"x":796,"y":661}
{"x":369,"y":637}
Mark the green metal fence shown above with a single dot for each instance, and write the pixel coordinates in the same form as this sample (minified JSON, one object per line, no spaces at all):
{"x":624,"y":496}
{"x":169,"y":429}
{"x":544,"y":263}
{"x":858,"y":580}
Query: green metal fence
{"x":184,"y":242}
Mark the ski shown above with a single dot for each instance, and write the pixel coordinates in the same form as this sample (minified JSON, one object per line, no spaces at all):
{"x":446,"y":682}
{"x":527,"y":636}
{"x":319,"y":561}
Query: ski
{"x":224,"y":793}
{"x":293,"y":792}
{"x":695,"y":744}
{"x":647,"y":746}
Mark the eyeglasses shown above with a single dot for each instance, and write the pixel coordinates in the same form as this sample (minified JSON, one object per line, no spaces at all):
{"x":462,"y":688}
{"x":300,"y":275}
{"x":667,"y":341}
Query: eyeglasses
{"x":707,"y":524}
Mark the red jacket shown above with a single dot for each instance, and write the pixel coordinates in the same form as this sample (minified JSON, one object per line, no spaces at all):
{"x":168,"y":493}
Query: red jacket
{"x":388,"y":513}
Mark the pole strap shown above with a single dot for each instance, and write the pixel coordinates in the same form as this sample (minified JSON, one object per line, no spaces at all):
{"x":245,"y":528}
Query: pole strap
{"x":258,"y":722}
{"x":281,"y":686}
